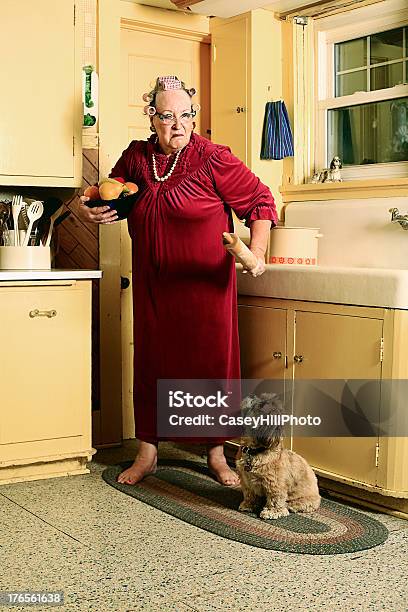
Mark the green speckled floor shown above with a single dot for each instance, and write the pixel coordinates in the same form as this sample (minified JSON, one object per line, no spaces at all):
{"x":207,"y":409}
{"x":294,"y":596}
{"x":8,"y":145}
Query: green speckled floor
{"x":108,"y":551}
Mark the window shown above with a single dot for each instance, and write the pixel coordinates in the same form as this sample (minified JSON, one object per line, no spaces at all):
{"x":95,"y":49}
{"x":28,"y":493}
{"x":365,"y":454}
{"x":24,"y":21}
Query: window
{"x":363,"y":99}
{"x":377,"y":61}
{"x":373,"y":133}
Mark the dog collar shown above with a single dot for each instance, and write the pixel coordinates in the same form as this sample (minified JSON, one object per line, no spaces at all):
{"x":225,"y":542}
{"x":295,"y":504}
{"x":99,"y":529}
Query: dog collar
{"x":249,"y":454}
{"x":248,"y":450}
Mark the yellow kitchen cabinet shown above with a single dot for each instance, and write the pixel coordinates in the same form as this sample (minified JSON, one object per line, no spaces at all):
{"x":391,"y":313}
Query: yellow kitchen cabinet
{"x":229,"y":84}
{"x":330,"y":342}
{"x":246,"y":73}
{"x":263,"y":345}
{"x":263,"y":341}
{"x":45,"y":379}
{"x":40,"y":105}
{"x":337,"y":346}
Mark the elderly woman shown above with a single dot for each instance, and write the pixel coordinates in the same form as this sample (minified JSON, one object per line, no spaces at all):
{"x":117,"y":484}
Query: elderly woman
{"x":184,"y":282}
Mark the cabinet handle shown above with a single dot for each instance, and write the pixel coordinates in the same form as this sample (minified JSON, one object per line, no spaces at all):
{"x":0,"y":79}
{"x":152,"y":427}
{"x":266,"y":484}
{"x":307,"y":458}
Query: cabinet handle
{"x":240,"y":109}
{"x":298,"y":358}
{"x":42,"y":313}
{"x":124,"y":282}
{"x":277,"y":355}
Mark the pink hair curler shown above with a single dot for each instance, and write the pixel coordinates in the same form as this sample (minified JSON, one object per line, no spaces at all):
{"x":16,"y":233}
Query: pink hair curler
{"x":170,"y":82}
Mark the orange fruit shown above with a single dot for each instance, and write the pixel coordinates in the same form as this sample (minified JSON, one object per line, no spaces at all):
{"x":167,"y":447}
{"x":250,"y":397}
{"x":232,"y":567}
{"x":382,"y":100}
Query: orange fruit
{"x":110,"y":191}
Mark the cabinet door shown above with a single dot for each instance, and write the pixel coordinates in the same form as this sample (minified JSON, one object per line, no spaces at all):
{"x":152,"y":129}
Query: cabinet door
{"x":40,"y":105}
{"x":262,"y":333}
{"x":337,"y":347}
{"x":45,"y":370}
{"x":229,"y":82}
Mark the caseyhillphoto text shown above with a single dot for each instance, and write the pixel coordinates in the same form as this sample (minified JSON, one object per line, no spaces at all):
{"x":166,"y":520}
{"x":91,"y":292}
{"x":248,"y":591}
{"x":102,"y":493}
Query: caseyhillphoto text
{"x":270,"y":420}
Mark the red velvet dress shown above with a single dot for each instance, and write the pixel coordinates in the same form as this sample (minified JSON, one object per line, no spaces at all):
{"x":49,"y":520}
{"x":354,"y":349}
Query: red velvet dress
{"x":184,"y":282}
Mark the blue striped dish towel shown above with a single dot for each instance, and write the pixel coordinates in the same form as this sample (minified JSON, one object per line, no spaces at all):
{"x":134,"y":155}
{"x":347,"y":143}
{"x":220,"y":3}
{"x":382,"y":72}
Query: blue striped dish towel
{"x":277,"y":138}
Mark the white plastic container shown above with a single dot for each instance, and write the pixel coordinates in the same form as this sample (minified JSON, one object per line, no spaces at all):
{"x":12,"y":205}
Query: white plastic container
{"x":25,"y":258}
{"x":294,"y":245}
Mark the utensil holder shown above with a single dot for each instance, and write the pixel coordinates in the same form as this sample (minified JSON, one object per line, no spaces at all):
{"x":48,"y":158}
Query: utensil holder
{"x":25,"y":258}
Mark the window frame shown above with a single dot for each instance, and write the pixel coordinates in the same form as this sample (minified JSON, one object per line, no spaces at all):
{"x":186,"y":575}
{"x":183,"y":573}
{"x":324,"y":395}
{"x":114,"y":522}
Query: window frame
{"x":328,"y":32}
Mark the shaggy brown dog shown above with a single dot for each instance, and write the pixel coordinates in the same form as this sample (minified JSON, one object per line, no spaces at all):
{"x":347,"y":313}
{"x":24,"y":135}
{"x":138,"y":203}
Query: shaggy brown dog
{"x":267,"y":470}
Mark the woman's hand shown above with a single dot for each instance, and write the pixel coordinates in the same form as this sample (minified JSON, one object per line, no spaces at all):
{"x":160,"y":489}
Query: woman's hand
{"x":258,"y":270}
{"x":260,"y":229}
{"x":260,"y":266}
{"x":99,"y":214}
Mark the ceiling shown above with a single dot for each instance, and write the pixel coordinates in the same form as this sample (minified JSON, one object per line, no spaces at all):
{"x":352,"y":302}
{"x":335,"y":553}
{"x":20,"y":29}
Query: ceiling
{"x":229,"y":8}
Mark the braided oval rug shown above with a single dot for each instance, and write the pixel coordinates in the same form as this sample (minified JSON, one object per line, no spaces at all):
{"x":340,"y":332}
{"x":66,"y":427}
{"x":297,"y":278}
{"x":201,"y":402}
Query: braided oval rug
{"x":185,"y":490}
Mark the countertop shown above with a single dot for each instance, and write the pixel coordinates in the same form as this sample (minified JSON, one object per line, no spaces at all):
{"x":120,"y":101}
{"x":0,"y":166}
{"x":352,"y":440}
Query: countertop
{"x":53,"y":274}
{"x":378,"y":287}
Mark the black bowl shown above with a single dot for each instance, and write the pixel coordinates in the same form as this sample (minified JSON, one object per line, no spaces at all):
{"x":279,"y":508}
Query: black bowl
{"x":123,"y":205}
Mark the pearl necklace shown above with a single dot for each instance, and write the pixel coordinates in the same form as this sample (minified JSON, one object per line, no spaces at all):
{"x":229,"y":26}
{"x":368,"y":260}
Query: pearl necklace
{"x":170,"y":172}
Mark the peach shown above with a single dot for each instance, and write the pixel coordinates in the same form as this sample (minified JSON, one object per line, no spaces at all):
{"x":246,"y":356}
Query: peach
{"x":92,"y":192}
{"x":131,"y":188}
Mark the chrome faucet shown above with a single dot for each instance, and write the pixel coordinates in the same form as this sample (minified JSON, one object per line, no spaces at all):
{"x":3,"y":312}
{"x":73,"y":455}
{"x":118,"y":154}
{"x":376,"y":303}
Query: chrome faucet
{"x":397,"y":218}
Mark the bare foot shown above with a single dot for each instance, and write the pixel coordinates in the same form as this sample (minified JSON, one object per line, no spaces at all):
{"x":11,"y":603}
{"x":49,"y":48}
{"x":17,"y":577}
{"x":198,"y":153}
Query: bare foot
{"x":144,"y":464}
{"x":218,"y":466}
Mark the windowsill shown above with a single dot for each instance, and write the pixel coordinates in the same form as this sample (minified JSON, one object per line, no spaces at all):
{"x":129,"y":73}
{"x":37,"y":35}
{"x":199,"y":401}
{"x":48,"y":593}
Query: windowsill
{"x":347,"y":190}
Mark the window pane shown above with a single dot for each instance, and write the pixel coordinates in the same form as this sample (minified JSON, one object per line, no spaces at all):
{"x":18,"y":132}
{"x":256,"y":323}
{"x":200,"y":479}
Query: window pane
{"x":387,"y":76}
{"x":386,"y":46}
{"x":347,"y":84}
{"x":351,"y":54}
{"x":369,"y":133}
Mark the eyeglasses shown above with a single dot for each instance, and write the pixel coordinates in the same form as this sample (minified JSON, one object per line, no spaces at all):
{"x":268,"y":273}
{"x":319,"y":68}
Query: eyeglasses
{"x":170,"y":119}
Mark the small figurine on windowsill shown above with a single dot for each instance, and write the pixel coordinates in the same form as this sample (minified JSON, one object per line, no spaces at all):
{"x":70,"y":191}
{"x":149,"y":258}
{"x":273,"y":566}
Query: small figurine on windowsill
{"x":329,"y":175}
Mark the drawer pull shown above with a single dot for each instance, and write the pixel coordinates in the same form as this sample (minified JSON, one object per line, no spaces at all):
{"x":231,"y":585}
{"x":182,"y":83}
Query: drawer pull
{"x":298,"y":358}
{"x":277,"y":355}
{"x":43,"y":313}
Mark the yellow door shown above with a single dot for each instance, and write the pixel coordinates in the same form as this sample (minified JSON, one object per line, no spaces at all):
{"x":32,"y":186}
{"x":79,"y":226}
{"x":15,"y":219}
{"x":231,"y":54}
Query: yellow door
{"x":262,"y":338}
{"x":329,"y":346}
{"x":144,"y":56}
{"x":229,"y":86}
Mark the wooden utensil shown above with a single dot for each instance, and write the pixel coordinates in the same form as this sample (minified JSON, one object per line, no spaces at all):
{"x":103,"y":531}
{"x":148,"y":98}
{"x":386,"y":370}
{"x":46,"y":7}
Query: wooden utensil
{"x":52,"y":221}
{"x":234,"y":245}
{"x":51,"y":205}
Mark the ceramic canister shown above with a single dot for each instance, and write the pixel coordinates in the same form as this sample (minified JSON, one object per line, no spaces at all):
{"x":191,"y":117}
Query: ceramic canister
{"x":294,"y":245}
{"x":25,"y":258}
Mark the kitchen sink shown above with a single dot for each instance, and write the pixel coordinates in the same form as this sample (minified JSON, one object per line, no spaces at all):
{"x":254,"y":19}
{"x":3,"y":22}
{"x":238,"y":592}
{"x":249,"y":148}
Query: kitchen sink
{"x":383,"y":287}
